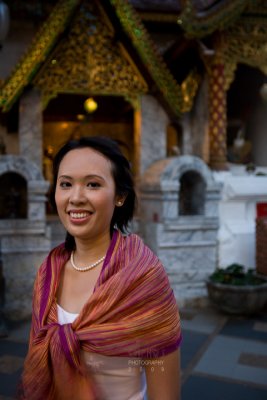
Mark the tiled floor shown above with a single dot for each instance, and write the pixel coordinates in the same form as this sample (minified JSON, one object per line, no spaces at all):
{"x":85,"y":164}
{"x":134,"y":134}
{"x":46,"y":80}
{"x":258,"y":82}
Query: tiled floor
{"x":12,"y":353}
{"x":230,"y":362}
{"x":223,"y":358}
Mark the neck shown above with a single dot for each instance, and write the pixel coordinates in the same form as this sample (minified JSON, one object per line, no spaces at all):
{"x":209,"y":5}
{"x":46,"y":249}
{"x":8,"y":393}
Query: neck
{"x":88,"y":251}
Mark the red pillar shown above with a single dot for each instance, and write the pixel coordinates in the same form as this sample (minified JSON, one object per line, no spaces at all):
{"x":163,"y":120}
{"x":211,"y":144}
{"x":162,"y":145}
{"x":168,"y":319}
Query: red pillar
{"x":217,"y":117}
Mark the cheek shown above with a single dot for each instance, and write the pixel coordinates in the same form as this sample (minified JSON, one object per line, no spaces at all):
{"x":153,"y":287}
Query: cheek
{"x":107,"y":203}
{"x":56,"y":197}
{"x":59,"y":198}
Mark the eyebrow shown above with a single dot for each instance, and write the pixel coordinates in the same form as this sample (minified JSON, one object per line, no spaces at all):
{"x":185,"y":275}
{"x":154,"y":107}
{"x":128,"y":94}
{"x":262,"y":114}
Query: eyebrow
{"x":85,"y":177}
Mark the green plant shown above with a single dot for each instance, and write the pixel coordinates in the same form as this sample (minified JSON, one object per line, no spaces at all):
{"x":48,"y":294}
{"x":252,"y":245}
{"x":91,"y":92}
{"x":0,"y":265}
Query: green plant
{"x":236,"y":274}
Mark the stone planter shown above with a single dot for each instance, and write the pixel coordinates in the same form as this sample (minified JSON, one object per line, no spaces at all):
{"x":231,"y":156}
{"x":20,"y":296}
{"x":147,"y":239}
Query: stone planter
{"x":240,"y":300}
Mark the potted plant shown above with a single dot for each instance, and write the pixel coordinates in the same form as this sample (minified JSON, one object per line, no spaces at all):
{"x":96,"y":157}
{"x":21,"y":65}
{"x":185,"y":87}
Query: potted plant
{"x":236,"y":290}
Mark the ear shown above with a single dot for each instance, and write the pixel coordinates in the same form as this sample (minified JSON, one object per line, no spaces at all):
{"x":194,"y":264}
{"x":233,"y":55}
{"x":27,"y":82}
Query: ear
{"x":120,"y":200}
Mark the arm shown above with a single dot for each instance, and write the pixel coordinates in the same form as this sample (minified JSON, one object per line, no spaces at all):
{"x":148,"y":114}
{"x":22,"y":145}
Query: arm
{"x":163,"y":378}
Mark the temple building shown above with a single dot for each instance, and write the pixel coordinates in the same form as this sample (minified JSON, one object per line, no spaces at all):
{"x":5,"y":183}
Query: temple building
{"x":180,"y":84}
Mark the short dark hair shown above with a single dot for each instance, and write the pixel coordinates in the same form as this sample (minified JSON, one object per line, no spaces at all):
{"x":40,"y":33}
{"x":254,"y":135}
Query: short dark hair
{"x":121,"y":171}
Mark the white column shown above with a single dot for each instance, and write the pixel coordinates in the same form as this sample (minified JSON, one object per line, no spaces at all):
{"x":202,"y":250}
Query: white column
{"x":153,"y":141}
{"x":31,"y":127}
{"x":187,"y":134}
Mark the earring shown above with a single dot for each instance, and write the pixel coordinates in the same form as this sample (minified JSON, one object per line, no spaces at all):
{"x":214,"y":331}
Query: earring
{"x":119,"y":203}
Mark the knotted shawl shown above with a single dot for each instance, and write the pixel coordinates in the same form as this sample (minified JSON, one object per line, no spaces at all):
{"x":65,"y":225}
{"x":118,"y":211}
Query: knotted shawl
{"x":132,"y":312}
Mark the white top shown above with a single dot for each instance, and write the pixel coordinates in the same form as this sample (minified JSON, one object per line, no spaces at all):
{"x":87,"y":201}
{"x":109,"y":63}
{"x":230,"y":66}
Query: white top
{"x":118,"y":378}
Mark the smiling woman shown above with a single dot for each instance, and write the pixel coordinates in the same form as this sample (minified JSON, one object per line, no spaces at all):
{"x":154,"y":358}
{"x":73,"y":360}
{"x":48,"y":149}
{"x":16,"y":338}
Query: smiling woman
{"x":86,"y":201}
{"x":104,"y":315}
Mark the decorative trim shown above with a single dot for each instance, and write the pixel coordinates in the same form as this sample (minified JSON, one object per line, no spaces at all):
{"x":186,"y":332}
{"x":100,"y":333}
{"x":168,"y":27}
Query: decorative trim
{"x":175,"y":96}
{"x":200,"y":24}
{"x":242,"y":42}
{"x":89,"y":59}
{"x":134,"y":28}
{"x":189,"y":89}
{"x":217,"y":118}
{"x":38,"y":51}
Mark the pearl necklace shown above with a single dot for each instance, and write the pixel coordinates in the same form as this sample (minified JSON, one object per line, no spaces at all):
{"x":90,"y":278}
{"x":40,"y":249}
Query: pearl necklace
{"x":82,"y":269}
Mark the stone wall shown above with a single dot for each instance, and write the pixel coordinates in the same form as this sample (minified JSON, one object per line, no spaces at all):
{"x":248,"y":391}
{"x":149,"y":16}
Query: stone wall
{"x":241,"y":191}
{"x":24,"y":242}
{"x":187,"y":245}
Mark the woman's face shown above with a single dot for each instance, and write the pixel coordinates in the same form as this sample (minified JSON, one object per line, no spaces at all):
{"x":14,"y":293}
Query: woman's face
{"x":85,"y":194}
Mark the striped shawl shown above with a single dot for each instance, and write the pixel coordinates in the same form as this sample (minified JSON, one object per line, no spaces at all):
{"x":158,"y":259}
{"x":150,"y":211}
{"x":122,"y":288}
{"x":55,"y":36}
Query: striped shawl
{"x":132,"y":313}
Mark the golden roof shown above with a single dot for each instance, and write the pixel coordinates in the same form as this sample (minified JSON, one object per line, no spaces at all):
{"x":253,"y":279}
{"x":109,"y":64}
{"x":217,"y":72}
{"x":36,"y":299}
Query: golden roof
{"x":78,"y":50}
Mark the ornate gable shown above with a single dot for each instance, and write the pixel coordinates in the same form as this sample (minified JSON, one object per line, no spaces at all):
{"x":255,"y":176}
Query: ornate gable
{"x":77,"y":51}
{"x":246,"y":40}
{"x":89,"y":59}
{"x":37,"y":52}
{"x":240,"y":26}
{"x":198,"y":24}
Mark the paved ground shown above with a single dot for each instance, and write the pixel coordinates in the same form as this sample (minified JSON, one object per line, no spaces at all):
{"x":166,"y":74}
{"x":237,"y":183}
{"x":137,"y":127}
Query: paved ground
{"x":223,"y":358}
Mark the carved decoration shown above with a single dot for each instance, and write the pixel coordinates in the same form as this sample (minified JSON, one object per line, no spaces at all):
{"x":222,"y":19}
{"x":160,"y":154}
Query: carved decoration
{"x":246,"y":43}
{"x":89,"y":60}
{"x":133,"y":26}
{"x":220,"y":16}
{"x":189,"y":89}
{"x":80,"y":63}
{"x":217,"y":119}
{"x":37,"y":52}
{"x":242,"y":42}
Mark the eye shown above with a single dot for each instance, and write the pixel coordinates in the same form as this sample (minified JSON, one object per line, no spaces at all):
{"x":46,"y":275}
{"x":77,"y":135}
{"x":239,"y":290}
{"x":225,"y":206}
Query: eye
{"x":64,"y":184}
{"x":93,"y":185}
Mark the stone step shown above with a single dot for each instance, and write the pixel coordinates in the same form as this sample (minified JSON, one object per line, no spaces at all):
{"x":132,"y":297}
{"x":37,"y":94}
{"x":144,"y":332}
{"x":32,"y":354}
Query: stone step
{"x":192,"y":224}
{"x":193,"y":244}
{"x":186,"y":237}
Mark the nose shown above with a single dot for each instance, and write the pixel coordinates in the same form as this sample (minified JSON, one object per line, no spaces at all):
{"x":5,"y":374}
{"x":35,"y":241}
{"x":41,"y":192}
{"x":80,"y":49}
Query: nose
{"x":77,"y":195}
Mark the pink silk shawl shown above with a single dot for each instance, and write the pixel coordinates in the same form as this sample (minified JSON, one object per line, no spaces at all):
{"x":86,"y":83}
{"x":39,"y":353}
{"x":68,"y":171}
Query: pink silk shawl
{"x":131,"y":313}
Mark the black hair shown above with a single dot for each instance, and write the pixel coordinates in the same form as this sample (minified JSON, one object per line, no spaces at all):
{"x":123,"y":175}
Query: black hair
{"x":124,"y":184}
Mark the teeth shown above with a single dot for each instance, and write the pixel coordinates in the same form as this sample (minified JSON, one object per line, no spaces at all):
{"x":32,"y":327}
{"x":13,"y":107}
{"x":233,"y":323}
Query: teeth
{"x":78,"y":215}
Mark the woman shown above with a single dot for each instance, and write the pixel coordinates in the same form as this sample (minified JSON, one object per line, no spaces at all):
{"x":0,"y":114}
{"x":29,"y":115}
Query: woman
{"x":105,"y":322}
